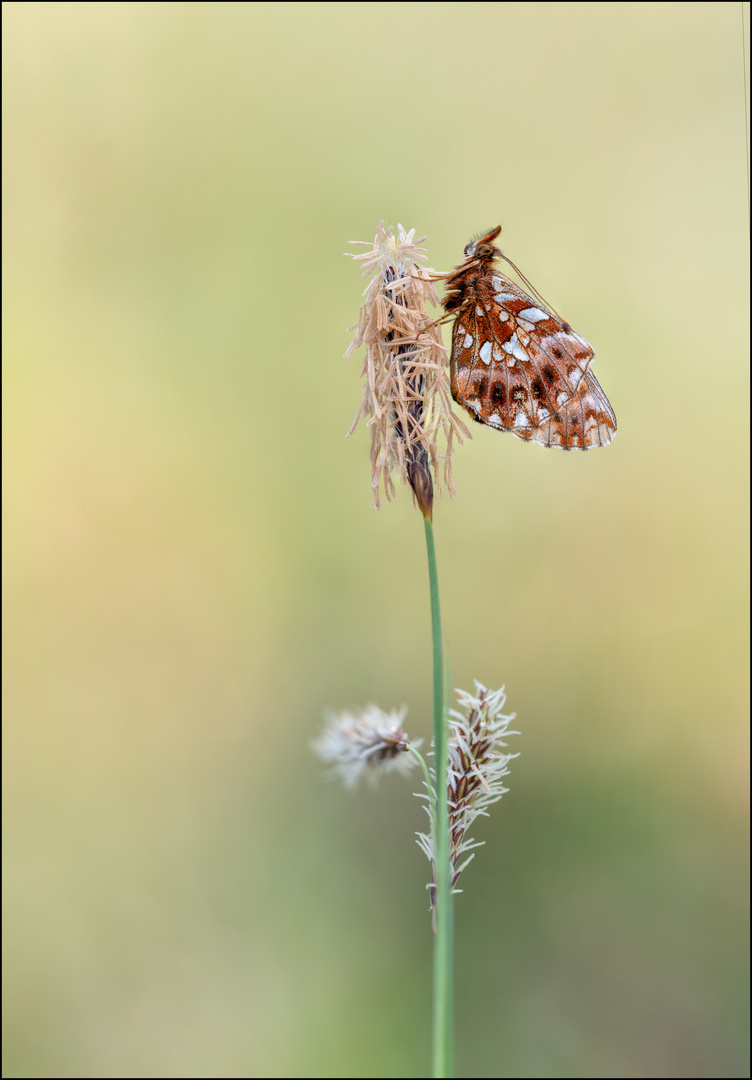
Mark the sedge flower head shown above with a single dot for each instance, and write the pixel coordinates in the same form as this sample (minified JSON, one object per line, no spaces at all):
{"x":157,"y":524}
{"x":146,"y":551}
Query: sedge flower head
{"x":367,"y":743}
{"x":407,"y":399}
{"x":477,"y":764}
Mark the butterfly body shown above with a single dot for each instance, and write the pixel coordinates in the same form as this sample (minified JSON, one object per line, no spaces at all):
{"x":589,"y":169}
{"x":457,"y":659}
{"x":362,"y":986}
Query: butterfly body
{"x":515,"y":365}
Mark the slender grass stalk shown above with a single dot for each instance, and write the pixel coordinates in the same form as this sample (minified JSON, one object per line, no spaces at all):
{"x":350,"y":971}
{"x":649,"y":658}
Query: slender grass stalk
{"x":443,"y":950}
{"x":407,"y":405}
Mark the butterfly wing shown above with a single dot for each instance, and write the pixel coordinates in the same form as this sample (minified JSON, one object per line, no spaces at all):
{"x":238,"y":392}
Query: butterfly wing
{"x":513,"y":363}
{"x":585,"y":421}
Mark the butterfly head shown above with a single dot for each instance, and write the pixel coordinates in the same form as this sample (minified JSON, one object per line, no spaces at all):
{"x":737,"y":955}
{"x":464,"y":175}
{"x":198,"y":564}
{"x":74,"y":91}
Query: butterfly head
{"x":482,"y":248}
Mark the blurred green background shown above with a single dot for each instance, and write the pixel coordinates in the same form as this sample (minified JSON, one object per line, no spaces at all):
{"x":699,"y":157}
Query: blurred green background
{"x":193,"y":574}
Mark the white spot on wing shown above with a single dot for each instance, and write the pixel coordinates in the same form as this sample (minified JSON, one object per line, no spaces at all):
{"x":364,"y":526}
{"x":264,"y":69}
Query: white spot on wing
{"x":468,"y":341}
{"x":520,"y":419}
{"x":504,"y":297}
{"x":513,"y":348}
{"x":485,"y":352}
{"x":533,"y":314}
{"x":511,"y":345}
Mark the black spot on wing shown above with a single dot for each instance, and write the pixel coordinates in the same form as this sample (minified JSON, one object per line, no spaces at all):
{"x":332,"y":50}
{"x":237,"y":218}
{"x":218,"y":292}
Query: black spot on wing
{"x":499,"y":394}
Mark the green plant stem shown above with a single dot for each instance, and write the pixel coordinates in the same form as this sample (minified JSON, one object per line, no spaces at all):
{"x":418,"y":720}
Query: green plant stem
{"x":443,"y":952}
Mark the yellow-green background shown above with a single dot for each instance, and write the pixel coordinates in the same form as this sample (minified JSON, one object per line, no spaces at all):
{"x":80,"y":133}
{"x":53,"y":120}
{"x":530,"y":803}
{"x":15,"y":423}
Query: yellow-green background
{"x":193,"y":573}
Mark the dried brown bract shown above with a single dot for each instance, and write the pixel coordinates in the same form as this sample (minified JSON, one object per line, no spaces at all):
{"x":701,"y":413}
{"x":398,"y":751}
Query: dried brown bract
{"x":407,"y":400}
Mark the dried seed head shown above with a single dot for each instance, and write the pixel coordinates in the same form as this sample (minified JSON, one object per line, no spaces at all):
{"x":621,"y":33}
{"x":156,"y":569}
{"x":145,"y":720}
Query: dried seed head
{"x":367,"y":743}
{"x":407,"y":400}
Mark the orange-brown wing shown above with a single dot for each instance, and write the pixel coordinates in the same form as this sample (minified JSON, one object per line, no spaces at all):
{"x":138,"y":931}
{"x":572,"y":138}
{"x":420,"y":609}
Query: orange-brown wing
{"x":513,"y":363}
{"x":585,"y":421}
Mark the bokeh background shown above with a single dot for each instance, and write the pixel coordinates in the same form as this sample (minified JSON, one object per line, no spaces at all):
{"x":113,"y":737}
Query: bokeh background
{"x":193,"y":573}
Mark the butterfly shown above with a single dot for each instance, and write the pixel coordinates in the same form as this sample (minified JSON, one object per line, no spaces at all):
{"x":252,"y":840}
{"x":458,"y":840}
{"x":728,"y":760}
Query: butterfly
{"x":517,"y":366}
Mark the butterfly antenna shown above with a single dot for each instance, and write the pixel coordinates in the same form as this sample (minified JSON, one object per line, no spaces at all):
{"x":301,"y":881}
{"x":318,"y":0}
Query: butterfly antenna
{"x":532,"y":288}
